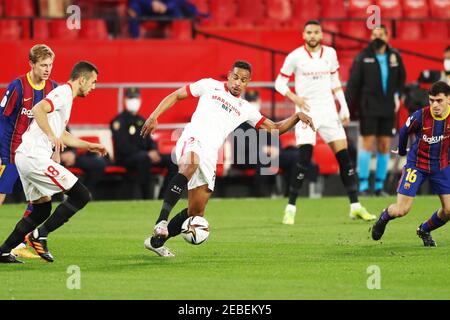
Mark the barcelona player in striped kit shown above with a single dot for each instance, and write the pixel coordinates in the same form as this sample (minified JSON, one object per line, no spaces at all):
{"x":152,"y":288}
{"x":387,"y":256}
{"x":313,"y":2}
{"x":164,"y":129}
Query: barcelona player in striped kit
{"x":428,"y":158}
{"x":15,"y":116}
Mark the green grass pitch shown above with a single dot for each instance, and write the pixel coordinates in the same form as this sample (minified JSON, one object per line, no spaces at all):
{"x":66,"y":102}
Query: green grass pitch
{"x":249,"y":255}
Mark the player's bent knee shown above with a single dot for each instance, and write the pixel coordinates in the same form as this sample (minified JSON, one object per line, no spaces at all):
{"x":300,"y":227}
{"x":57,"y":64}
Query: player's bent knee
{"x":79,"y":195}
{"x":188,"y":170}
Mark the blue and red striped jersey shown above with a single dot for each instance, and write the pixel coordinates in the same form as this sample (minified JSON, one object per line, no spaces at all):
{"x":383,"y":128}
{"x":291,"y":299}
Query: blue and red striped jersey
{"x":430,"y":150}
{"x":15,"y":112}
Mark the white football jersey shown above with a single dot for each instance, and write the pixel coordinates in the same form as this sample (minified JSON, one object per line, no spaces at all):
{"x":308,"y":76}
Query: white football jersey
{"x":34,"y":141}
{"x":218,"y":113}
{"x":312,"y":71}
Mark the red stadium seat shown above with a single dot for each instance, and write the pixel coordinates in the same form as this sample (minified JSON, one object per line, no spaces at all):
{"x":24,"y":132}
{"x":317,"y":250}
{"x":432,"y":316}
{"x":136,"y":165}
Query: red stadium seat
{"x":440,"y":9}
{"x":358,"y":8}
{"x":357,"y":29}
{"x":434,"y":30}
{"x":1,"y":8}
{"x":409,"y":30}
{"x":330,"y":26}
{"x":324,"y":157}
{"x":10,"y":30}
{"x":390,"y":9}
{"x":279,"y":10}
{"x":41,"y":29}
{"x":345,"y":64}
{"x":19,"y":8}
{"x":166,"y":140}
{"x":59,"y":30}
{"x":250,"y":11}
{"x":415,"y":9}
{"x":334,"y":9}
{"x":222,"y":11}
{"x":304,"y":10}
{"x":93,"y":29}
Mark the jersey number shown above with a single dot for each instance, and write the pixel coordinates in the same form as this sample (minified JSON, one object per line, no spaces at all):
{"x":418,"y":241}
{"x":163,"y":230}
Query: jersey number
{"x":411,"y":175}
{"x":53,"y":171}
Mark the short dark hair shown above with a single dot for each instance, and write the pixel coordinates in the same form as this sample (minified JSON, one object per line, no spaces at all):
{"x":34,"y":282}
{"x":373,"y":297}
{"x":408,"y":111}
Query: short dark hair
{"x":81,"y":69}
{"x":241,"y":64}
{"x":382,"y":26}
{"x":439,"y":87}
{"x":312,"y":22}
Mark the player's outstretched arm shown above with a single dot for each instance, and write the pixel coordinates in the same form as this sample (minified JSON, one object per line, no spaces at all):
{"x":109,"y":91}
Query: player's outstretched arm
{"x":152,"y":121}
{"x":287,"y":124}
{"x":71,"y":141}
{"x":40,"y":111}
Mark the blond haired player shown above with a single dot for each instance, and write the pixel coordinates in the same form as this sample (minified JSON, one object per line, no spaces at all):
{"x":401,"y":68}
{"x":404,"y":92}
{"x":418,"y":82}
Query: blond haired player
{"x":15,"y":116}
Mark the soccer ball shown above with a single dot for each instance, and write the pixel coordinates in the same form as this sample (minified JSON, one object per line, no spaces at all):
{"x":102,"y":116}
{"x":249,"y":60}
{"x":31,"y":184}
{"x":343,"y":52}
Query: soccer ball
{"x":195,"y":230}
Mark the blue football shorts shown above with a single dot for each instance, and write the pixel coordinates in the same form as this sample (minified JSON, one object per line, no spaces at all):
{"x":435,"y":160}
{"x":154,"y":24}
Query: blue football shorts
{"x":412,"y":178}
{"x":8,"y":177}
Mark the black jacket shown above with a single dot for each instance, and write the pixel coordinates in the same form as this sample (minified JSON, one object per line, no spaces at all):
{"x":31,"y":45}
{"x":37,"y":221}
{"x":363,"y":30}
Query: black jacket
{"x":126,"y":134}
{"x":365,"y":89}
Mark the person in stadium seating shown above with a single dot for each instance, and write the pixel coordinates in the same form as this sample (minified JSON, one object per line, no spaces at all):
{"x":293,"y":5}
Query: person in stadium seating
{"x":91,"y":163}
{"x":15,"y":116}
{"x":37,"y":160}
{"x":134,"y":153}
{"x":427,"y":159}
{"x":446,"y":72}
{"x":170,"y":9}
{"x":258,"y":150}
{"x":219,"y":111}
{"x":377,"y":79}
{"x":315,"y":68}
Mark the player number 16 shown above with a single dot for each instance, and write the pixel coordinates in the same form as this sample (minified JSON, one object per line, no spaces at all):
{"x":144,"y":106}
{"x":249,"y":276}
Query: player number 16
{"x":411,"y":175}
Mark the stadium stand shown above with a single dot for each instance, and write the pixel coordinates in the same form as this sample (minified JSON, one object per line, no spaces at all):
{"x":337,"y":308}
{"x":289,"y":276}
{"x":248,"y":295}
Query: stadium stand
{"x":10,"y":30}
{"x":409,"y":30}
{"x":59,"y":30}
{"x":334,"y":9}
{"x":19,"y":8}
{"x":415,"y":9}
{"x":440,"y":9}
{"x":358,"y":8}
{"x":390,"y":9}
{"x":93,"y":29}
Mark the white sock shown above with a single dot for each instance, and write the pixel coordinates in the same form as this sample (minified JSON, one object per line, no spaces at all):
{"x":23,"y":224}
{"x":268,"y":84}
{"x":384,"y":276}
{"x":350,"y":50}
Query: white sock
{"x":291,"y":207}
{"x":355,"y":206}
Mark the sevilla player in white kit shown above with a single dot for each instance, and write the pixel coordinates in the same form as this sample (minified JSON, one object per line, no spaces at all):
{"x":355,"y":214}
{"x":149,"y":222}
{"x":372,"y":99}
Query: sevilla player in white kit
{"x":220,"y":110}
{"x":315,"y":68}
{"x":37,"y":160}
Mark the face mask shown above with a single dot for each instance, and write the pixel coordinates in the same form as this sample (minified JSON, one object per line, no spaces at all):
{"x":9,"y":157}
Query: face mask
{"x":447,"y":65}
{"x":133,"y":105}
{"x":377,"y":44}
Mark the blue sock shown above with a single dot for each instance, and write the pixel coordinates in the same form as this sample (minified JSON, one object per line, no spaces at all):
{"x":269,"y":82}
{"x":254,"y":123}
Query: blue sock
{"x":364,"y":158}
{"x":433,"y":223}
{"x":382,"y":170}
{"x":385,"y":216}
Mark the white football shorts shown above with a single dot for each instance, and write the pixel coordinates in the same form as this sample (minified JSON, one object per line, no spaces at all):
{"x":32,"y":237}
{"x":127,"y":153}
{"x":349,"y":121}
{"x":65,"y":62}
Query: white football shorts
{"x":206,"y":172}
{"x":328,"y":126}
{"x":43,"y":177}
